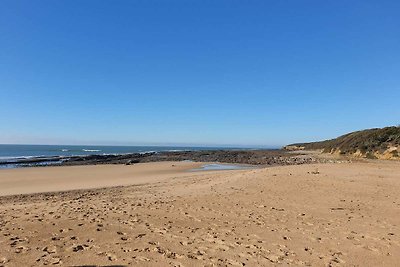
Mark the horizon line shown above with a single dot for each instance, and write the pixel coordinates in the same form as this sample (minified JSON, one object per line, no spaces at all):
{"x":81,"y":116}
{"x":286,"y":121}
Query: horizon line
{"x":154,"y":145}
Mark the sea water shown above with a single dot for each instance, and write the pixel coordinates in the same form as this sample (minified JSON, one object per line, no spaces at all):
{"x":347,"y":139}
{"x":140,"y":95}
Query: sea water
{"x":19,"y":152}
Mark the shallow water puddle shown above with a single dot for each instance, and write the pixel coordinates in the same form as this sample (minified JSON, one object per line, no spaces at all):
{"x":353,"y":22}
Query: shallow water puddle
{"x":222,"y":167}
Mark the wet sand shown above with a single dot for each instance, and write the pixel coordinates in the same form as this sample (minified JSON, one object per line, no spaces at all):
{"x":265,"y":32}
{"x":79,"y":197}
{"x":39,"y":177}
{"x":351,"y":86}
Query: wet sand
{"x":50,"y":179}
{"x":314,"y":215}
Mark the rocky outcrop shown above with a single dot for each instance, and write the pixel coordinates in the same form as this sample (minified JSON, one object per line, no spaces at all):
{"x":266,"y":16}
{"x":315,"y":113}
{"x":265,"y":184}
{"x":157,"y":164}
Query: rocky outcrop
{"x":293,"y":148}
{"x":253,"y":157}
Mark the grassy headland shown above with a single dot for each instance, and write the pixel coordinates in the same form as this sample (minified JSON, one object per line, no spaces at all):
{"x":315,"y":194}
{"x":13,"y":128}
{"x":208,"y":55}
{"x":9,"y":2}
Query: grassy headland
{"x":371,"y":143}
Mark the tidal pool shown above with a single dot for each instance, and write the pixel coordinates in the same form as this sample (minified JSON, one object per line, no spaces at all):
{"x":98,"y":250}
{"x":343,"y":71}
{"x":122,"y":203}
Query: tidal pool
{"x":223,"y":167}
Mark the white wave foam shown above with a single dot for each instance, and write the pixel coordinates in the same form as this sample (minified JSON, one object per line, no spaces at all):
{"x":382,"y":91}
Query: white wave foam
{"x":20,"y":157}
{"x":147,"y":152}
{"x":91,"y":150}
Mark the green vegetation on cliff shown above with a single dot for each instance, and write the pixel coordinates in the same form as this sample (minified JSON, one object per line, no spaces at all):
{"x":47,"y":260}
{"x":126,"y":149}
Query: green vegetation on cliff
{"x":367,"y":142}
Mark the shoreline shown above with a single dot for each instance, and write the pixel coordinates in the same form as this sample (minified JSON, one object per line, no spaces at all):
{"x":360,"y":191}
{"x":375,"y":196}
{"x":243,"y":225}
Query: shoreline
{"x":25,"y":181}
{"x":252,"y":157}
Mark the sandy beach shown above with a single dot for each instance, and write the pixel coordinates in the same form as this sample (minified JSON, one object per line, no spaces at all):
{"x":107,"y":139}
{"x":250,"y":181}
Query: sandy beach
{"x":163,"y":215}
{"x":51,"y":179}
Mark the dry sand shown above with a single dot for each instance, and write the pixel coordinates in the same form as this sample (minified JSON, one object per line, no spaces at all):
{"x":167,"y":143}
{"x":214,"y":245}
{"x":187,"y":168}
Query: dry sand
{"x":313,"y":215}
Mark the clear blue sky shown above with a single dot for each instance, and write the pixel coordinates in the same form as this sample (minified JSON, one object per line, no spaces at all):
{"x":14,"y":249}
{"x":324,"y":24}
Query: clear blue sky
{"x":196,"y":72}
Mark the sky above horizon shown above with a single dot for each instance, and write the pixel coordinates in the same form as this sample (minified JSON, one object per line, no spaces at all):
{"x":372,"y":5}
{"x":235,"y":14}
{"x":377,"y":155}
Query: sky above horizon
{"x":251,"y":73}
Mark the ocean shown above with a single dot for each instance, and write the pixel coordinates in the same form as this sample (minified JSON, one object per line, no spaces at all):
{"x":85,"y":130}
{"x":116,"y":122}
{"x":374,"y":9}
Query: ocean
{"x":10,"y":153}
